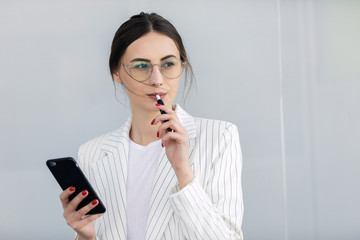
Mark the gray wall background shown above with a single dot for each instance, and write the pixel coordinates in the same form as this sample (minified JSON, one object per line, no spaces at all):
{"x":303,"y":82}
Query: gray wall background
{"x":286,"y":72}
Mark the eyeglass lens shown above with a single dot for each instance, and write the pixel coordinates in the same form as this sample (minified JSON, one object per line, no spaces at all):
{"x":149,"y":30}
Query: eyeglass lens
{"x":170,"y":68}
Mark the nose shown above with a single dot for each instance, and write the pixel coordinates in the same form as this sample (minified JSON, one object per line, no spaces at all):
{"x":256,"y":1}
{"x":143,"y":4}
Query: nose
{"x":156,"y":78}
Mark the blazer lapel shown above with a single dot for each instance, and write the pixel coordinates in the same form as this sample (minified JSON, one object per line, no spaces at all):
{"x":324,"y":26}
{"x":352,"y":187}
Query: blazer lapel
{"x":165,"y":180}
{"x":112,"y":175}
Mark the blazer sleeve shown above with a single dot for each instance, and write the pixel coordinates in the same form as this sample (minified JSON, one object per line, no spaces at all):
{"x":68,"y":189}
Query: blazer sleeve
{"x":216,"y":210}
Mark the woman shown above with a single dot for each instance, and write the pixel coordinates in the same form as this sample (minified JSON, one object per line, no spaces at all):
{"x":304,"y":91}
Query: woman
{"x":161,"y":176}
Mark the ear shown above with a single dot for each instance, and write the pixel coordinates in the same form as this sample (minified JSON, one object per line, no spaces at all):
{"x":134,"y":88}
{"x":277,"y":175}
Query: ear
{"x":116,"y":77}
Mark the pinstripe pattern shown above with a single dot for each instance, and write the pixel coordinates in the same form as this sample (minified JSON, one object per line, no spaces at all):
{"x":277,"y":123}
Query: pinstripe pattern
{"x":210,"y":207}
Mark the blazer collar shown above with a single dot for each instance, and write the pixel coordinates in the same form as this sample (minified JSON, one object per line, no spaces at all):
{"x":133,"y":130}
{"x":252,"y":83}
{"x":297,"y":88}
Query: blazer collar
{"x":116,"y":146}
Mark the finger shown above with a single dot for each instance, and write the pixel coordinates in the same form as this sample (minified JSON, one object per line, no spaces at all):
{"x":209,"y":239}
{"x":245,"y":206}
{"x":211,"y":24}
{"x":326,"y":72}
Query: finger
{"x":162,"y":118}
{"x":173,"y":136}
{"x":173,"y":125}
{"x":64,"y":196}
{"x":165,"y":108}
{"x":84,"y":210}
{"x":76,"y":200}
{"x":165,"y":128}
{"x":90,"y":218}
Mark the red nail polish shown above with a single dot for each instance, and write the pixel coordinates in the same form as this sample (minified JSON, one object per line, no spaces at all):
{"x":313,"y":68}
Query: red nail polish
{"x":84,"y":192}
{"x":157,"y":134}
{"x":72,"y":189}
{"x":152,"y":122}
{"x":94,"y":202}
{"x":158,"y":104}
{"x":162,"y":145}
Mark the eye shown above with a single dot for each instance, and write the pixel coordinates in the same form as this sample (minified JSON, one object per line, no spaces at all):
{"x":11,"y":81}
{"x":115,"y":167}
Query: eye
{"x":140,"y":65}
{"x":169,"y":63}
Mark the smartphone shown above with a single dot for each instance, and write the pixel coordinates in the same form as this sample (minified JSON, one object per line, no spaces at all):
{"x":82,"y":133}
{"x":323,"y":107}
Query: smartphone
{"x":67,"y":173}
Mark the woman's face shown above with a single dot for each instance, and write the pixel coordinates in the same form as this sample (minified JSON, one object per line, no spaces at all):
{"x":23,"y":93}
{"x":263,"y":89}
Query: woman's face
{"x":153,"y":48}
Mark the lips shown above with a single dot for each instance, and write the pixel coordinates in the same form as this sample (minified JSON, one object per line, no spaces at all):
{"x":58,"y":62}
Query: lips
{"x":153,"y":95}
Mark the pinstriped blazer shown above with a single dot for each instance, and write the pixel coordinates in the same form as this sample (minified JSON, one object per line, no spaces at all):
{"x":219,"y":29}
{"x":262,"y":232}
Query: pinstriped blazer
{"x":209,"y":207}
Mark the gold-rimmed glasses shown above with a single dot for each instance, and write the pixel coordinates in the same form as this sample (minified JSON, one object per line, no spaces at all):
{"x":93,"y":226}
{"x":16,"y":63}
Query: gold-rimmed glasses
{"x":141,"y":70}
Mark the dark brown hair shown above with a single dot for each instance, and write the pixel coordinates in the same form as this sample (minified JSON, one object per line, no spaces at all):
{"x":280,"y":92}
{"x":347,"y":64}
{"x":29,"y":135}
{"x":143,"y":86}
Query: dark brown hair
{"x":139,"y":25}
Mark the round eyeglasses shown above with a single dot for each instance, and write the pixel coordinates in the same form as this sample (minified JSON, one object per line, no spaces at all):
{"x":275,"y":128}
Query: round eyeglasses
{"x":141,"y":70}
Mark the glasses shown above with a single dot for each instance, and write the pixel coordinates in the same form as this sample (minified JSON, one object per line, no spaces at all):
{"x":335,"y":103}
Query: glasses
{"x":141,"y":70}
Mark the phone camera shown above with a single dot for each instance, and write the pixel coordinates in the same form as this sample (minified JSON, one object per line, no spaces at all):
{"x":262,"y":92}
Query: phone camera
{"x":52,"y":164}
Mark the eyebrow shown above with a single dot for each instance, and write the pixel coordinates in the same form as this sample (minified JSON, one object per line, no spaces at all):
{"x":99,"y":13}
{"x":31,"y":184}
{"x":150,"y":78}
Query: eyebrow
{"x":147,"y":60}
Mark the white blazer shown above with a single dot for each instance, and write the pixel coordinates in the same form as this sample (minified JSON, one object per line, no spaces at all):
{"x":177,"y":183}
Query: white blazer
{"x":209,"y":207}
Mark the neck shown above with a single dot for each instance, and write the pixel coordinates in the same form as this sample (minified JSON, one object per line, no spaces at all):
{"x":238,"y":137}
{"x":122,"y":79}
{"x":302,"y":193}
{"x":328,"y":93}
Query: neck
{"x":142,"y":132}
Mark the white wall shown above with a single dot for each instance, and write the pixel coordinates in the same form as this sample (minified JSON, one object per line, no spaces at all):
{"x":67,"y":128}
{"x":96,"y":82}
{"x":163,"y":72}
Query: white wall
{"x":286,"y":72}
{"x":321,"y":72}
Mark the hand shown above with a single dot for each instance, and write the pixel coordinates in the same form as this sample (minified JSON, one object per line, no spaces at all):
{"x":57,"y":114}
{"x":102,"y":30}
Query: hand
{"x":176,"y":144}
{"x":81,"y":223}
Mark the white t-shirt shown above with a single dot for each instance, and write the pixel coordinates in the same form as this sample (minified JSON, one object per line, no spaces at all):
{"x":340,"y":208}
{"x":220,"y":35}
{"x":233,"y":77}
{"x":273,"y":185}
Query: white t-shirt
{"x":142,"y":165}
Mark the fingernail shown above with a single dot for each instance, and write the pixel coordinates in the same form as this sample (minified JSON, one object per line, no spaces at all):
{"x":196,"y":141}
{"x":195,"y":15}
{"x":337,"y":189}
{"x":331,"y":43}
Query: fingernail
{"x":84,"y":192}
{"x":157,"y":134}
{"x":158,"y":104}
{"x":94,"y":202}
{"x":72,"y":189}
{"x":162,"y":145}
{"x":152,"y":122}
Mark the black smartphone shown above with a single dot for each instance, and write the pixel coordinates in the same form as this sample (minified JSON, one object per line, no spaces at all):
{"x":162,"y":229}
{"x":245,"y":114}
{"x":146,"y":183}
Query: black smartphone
{"x":67,"y":173}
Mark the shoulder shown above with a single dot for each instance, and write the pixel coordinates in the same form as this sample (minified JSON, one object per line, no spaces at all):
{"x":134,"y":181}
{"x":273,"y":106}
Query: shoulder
{"x":216,"y":135}
{"x":204,"y":125}
{"x":92,"y":149}
{"x":214,"y":126}
{"x":95,"y":143}
{"x":217,"y":140}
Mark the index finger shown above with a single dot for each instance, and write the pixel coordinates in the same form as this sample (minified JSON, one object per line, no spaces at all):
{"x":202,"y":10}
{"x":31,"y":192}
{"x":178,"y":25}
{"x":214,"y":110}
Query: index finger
{"x":164,"y":108}
{"x":64,"y":196}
